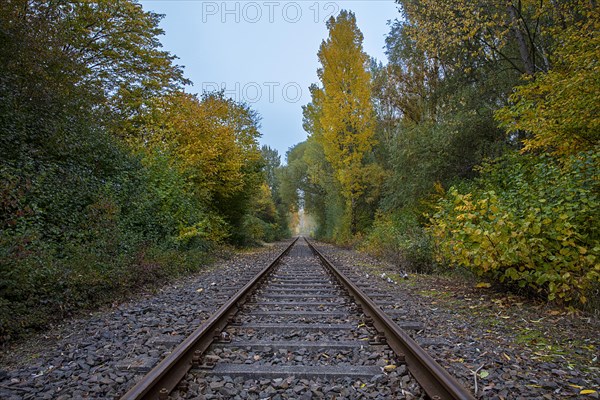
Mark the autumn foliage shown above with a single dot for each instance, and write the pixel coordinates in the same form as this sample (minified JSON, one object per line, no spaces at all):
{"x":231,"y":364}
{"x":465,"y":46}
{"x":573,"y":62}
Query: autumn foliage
{"x":528,"y":222}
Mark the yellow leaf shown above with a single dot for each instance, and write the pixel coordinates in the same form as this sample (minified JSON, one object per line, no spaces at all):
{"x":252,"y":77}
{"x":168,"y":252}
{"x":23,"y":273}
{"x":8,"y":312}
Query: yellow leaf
{"x":389,"y":368}
{"x":588,"y":391}
{"x":483,"y":285}
{"x":576,"y":386}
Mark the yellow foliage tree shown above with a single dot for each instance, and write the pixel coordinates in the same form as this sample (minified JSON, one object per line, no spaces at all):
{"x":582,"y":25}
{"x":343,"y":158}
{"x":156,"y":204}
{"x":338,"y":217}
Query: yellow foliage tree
{"x":209,"y":140}
{"x":516,"y":32}
{"x":561,"y":108}
{"x":346,"y":116}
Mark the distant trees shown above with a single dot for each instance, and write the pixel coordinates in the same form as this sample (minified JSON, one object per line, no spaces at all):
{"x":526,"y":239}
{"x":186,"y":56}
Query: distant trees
{"x":340,"y":121}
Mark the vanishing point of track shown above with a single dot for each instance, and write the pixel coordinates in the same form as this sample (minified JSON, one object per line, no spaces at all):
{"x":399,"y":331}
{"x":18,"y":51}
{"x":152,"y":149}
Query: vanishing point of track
{"x":296,"y":296}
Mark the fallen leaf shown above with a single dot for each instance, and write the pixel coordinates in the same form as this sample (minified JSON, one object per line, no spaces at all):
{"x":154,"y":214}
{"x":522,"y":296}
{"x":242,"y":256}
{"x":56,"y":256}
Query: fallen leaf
{"x":199,"y":290}
{"x":483,"y":374}
{"x":389,"y":368}
{"x":482,"y":285}
{"x":576,"y":386}
{"x":587,"y":391}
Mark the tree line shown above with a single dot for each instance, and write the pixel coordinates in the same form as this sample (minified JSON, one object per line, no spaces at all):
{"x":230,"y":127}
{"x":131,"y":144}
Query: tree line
{"x":474,"y":148}
{"x":112,"y":176}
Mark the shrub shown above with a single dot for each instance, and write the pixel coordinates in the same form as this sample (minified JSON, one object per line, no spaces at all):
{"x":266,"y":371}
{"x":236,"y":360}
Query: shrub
{"x":401,"y":239}
{"x":529,"y":220}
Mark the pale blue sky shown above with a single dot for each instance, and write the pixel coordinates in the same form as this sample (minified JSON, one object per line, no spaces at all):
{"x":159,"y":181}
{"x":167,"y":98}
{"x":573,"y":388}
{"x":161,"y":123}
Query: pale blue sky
{"x":263,"y":52}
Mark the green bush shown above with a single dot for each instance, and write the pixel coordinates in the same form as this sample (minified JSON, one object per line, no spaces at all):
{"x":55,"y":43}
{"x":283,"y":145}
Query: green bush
{"x":255,"y":230}
{"x":401,"y":239}
{"x":72,"y":240}
{"x":530,"y":221}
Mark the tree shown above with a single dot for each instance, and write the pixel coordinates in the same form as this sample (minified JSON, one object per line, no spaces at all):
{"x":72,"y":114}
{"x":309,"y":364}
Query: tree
{"x":308,"y":185}
{"x":272,"y":163}
{"x":293,"y":177}
{"x":117,"y":42}
{"x":439,"y":118}
{"x":110,"y":175}
{"x":214,"y":141}
{"x":490,"y":30}
{"x":80,"y":213}
{"x":560,"y":108}
{"x":273,"y":180}
{"x":204,"y":144}
{"x":346,"y":117}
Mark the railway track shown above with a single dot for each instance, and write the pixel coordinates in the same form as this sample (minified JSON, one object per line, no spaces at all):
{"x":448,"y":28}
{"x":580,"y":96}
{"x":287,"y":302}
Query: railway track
{"x":299,"y":329}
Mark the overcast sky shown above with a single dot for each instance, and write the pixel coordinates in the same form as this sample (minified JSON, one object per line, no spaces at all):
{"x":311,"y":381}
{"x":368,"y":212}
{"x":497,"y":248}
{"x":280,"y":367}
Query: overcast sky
{"x":263,"y":52}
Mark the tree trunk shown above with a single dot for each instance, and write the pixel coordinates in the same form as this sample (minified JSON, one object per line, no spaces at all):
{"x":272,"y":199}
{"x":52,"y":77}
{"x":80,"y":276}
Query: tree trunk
{"x":353,"y":216}
{"x":524,"y":50}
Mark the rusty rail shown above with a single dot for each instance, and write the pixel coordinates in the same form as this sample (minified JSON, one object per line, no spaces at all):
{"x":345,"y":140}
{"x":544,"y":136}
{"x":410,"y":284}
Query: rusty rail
{"x":435,"y":380}
{"x":163,"y":378}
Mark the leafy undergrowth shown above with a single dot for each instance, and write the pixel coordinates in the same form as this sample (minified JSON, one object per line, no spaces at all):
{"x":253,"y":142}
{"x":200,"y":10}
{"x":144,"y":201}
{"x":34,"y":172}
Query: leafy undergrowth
{"x":50,"y":290}
{"x":531,"y":223}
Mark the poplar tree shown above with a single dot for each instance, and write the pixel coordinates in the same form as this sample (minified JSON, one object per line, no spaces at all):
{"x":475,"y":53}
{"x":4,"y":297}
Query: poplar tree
{"x":347,"y":116}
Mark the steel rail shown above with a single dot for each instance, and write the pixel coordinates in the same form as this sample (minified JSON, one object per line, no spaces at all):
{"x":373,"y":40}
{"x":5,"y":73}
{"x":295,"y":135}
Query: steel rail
{"x":435,"y":380}
{"x":163,"y":378}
